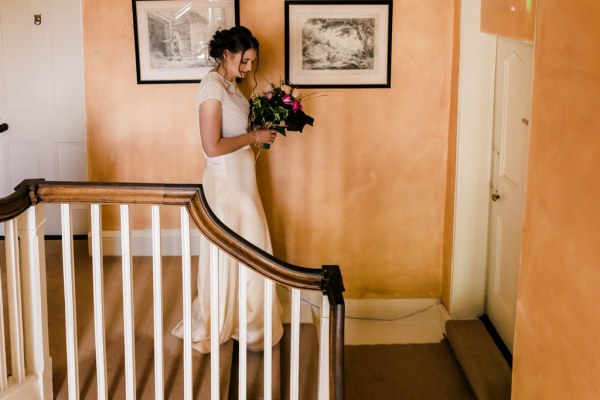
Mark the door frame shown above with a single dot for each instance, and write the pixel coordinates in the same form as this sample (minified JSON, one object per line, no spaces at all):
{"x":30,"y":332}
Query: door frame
{"x":473,"y":164}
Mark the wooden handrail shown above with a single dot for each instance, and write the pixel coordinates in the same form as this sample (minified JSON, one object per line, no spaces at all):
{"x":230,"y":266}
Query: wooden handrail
{"x":16,"y":203}
{"x":326,"y":279}
{"x":191,"y":196}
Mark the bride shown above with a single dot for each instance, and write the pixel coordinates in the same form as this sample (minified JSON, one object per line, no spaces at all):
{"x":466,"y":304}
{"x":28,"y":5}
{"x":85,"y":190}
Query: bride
{"x":229,"y":183}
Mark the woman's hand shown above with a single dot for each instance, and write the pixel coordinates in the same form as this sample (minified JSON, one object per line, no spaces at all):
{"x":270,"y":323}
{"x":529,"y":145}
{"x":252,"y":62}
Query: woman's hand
{"x":210,"y":132}
{"x":265,"y":135}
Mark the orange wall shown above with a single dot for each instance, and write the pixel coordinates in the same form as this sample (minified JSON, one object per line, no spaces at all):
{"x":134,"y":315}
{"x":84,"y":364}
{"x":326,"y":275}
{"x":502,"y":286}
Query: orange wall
{"x":365,"y":188}
{"x":557,"y":339}
{"x":510,"y":18}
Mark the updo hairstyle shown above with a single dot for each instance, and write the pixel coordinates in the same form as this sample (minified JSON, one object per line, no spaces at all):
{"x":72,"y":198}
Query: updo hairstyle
{"x":237,"y":39}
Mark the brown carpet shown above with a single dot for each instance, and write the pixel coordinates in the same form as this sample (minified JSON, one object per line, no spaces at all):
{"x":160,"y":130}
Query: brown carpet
{"x":372,"y":372}
{"x":404,"y":372}
{"x":487,"y":372}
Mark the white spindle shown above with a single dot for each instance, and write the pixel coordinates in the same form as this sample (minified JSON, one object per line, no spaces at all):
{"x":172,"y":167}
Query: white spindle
{"x":70,"y":302}
{"x":324,"y":351}
{"x":128,"y":317}
{"x":158,"y":305}
{"x":295,"y":345}
{"x":243,"y":329}
{"x":99,"y":324}
{"x":214,"y":322}
{"x":33,"y":281}
{"x":268,"y":340}
{"x":13,"y":277}
{"x":187,"y":304}
{"x":3,"y":369}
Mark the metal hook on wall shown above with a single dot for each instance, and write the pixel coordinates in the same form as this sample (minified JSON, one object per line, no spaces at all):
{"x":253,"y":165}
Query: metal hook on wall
{"x":37,"y":19}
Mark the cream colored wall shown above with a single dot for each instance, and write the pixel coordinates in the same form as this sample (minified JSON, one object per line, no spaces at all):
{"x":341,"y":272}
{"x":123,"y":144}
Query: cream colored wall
{"x":365,"y":188}
{"x":557,"y":339}
{"x":514,"y":19}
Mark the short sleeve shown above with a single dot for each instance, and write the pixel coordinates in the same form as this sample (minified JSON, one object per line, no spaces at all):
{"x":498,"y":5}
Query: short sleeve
{"x":235,"y":108}
{"x":211,"y":90}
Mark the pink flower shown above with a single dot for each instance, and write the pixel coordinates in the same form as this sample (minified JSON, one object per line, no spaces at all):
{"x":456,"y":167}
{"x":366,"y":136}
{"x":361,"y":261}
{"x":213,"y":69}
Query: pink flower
{"x":268,"y":95}
{"x":283,"y":123}
{"x":287,"y":99}
{"x":296,"y":105}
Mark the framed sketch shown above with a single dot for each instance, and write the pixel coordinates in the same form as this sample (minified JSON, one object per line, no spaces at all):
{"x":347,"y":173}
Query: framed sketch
{"x":172,"y":36}
{"x":338,"y":44}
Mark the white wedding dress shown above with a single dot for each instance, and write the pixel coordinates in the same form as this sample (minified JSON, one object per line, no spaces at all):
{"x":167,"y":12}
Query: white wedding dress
{"x":230,"y":186}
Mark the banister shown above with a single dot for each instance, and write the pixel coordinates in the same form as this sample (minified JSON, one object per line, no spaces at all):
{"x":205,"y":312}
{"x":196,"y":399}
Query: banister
{"x":327,"y":279}
{"x":189,"y":195}
{"x":16,"y":203}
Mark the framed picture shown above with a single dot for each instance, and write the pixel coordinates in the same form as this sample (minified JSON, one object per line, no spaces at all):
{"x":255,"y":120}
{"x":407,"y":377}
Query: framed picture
{"x":172,"y":36}
{"x":338,"y":44}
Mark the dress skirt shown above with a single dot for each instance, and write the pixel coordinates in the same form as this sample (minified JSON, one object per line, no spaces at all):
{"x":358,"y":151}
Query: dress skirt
{"x":230,"y":187}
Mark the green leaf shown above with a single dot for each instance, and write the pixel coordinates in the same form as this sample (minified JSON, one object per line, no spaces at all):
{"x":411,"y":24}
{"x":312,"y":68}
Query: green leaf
{"x":280,"y":129}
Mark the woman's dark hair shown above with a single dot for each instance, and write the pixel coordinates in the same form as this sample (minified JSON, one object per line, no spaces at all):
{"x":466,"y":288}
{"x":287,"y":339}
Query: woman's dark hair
{"x":237,"y":39}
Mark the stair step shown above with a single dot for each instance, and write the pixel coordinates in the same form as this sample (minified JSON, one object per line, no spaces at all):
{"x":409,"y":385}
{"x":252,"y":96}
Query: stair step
{"x":484,"y":366}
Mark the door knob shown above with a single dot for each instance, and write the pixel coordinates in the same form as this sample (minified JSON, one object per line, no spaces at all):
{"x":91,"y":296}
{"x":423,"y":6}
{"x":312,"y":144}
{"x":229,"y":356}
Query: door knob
{"x":3,"y":127}
{"x":495,"y":196}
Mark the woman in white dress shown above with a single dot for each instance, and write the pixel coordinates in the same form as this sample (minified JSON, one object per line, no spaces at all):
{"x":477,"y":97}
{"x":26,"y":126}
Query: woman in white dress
{"x":230,"y":186}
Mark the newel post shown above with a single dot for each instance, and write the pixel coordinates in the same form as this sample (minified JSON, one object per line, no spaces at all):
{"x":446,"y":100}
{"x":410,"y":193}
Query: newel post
{"x":333,"y":288}
{"x":35,"y":308}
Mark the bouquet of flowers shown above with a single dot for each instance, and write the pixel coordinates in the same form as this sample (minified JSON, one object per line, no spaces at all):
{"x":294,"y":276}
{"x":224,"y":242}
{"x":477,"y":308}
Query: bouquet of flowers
{"x":279,"y":108}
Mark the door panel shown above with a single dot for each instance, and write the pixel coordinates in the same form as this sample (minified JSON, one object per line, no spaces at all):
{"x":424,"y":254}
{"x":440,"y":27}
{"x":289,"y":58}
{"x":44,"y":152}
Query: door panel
{"x":514,"y":68}
{"x":67,"y":53}
{"x":41,"y":96}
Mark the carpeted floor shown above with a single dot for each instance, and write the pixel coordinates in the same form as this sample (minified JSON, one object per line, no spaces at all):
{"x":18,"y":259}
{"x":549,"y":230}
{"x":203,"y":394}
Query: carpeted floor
{"x":419,"y":372}
{"x":404,"y":372}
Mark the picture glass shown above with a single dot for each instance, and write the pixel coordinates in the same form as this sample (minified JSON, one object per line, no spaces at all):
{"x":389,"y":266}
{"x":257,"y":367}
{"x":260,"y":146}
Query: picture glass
{"x":172,"y":37}
{"x":338,"y":44}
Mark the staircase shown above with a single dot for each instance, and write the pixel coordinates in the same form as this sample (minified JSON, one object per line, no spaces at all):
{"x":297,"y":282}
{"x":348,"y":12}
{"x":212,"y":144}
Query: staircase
{"x":486,"y":369}
{"x":82,"y":326}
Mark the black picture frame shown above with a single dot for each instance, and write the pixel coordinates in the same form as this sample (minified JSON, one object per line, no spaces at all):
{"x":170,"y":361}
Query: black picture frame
{"x":338,"y":44}
{"x":172,"y":36}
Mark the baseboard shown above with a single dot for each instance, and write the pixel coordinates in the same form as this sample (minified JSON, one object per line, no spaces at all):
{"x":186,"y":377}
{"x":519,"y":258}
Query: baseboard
{"x":394,"y":321}
{"x":379,"y":321}
{"x":141,"y":242}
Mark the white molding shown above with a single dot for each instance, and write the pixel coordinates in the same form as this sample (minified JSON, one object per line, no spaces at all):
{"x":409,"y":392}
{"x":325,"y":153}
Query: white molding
{"x":473,"y":169}
{"x":141,"y":242}
{"x":394,"y":321}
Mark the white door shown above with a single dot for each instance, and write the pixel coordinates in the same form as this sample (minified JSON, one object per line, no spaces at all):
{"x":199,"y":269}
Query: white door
{"x":41,"y":97}
{"x":514,"y":68}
